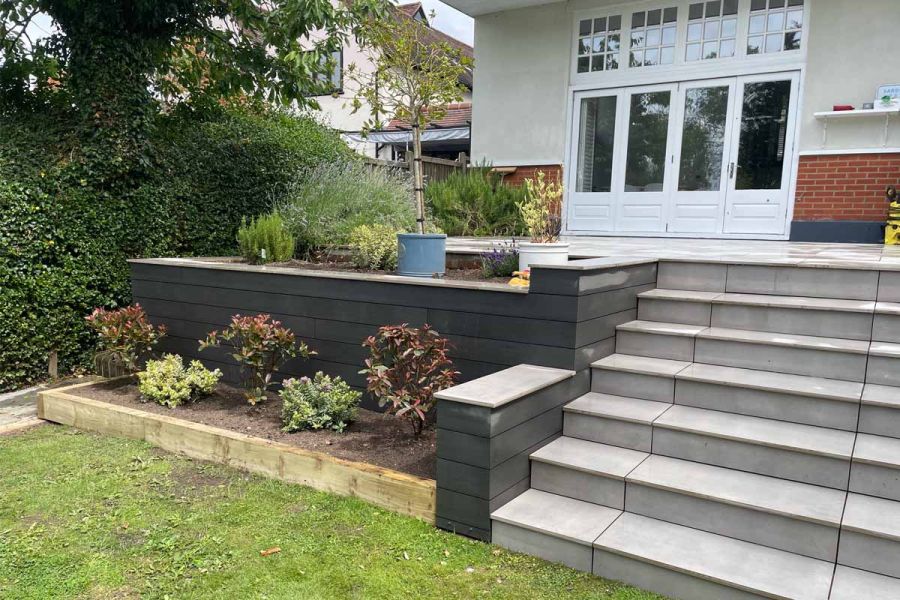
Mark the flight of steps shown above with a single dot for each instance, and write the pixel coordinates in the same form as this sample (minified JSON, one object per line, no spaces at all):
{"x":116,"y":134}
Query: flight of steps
{"x":737,"y":445}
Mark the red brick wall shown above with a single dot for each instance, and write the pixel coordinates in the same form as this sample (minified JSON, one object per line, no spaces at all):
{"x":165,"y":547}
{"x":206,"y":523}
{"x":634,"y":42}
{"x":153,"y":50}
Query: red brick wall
{"x":523,"y":173}
{"x":846,"y":187}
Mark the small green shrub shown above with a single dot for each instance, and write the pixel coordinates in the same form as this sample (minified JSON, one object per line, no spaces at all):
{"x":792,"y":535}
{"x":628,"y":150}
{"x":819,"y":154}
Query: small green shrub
{"x":502,"y":260}
{"x":168,"y":383}
{"x":540,"y":209}
{"x":318,"y":403}
{"x":476,"y":203}
{"x":327,"y":203}
{"x":261,"y":345}
{"x":374,"y":247}
{"x":265,"y":239}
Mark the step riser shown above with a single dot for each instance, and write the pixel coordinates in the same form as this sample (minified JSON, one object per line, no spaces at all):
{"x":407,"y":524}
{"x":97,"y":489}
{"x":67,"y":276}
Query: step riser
{"x":777,"y":462}
{"x":633,"y":385}
{"x":836,"y":324}
{"x":797,"y":361}
{"x":875,"y":480}
{"x":845,"y":284}
{"x":883,"y":370}
{"x":519,"y":539}
{"x":672,"y":347}
{"x":674,"y":311}
{"x":587,"y":487}
{"x":886,"y":328}
{"x":625,"y":434}
{"x":663,"y":581}
{"x":771,"y":405}
{"x":870,"y":553}
{"x":776,"y":531}
{"x":879,"y":420}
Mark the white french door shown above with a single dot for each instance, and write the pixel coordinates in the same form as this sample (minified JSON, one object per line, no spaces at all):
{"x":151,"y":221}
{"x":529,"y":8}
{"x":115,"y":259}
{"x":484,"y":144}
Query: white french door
{"x":710,"y":157}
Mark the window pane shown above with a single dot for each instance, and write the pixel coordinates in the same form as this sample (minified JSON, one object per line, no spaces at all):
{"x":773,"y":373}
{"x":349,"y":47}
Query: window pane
{"x":597,"y":63}
{"x":599,"y":43}
{"x":726,"y":49}
{"x":615,"y":23}
{"x":637,"y":19}
{"x":584,"y":64}
{"x":695,"y":11}
{"x":667,"y":55}
{"x":792,"y":40}
{"x":712,"y":8}
{"x":653,"y":37}
{"x":773,"y":42}
{"x":758,"y":5}
{"x":729,"y":27}
{"x":731,"y":7}
{"x":654,"y":17}
{"x":670,"y":15}
{"x":775,"y":21}
{"x":794,"y":20}
{"x":637,"y":58}
{"x":596,"y":142}
{"x":668,"y":36}
{"x":695,"y":32}
{"x":647,"y":137}
{"x":637,"y":39}
{"x":693,"y":52}
{"x":754,"y":45}
{"x":612,"y":62}
{"x":710,"y":50}
{"x":711,"y":30}
{"x":600,"y":25}
{"x":584,"y":28}
{"x":776,"y":3}
{"x":584,"y":46}
{"x":612,"y":42}
{"x":763,"y":134}
{"x":651,"y":57}
{"x":703,"y":139}
{"x":757,"y":23}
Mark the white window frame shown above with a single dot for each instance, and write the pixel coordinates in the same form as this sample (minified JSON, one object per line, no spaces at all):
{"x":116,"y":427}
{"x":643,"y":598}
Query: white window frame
{"x":740,"y":63}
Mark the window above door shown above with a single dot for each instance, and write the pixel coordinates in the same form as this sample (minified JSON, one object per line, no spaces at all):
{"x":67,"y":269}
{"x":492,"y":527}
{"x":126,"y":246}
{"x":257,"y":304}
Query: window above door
{"x":610,"y":43}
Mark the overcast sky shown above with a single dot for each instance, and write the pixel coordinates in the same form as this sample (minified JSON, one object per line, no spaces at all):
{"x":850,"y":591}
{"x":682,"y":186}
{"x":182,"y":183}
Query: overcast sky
{"x":450,"y":21}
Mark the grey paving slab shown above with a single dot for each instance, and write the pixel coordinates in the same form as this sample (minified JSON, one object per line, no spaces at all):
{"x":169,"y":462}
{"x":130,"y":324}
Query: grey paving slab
{"x":699,"y":276}
{"x":718,"y":559}
{"x":636,"y":376}
{"x":618,"y":407}
{"x":641,"y":364}
{"x":786,"y":340}
{"x":886,"y":328}
{"x":579,"y":485}
{"x":674,"y":310}
{"x":543,"y":545}
{"x":819,"y":387}
{"x":877,"y":450}
{"x":558,"y":516}
{"x":873,"y":516}
{"x":793,"y":320}
{"x":590,"y":457}
{"x":855,"y":584}
{"x":880,"y":411}
{"x":850,"y":284}
{"x":505,"y":386}
{"x":608,"y":430}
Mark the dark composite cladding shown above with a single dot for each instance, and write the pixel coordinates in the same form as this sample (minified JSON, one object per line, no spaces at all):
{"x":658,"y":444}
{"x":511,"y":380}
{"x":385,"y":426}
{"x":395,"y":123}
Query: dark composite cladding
{"x":567,"y":320}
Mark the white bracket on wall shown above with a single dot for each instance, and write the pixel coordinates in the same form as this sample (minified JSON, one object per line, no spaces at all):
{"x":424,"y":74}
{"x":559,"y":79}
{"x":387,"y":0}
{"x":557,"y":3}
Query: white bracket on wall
{"x":832,"y":115}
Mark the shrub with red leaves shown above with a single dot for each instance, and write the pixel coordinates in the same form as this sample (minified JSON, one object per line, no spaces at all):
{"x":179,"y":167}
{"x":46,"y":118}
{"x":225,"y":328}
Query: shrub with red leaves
{"x":261,"y":345}
{"x":408,"y":366}
{"x":126,"y":336}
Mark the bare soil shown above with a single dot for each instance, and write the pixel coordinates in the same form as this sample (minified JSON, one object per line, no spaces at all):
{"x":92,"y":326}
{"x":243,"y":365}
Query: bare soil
{"x":469,"y":273}
{"x":373,"y":438}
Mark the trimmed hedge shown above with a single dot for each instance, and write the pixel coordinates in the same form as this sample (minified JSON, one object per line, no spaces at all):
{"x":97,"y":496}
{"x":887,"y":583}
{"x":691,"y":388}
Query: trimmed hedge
{"x":70,"y":217}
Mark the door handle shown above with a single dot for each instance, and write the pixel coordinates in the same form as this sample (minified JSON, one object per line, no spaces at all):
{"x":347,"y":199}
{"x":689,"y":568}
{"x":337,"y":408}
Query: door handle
{"x":731,"y":171}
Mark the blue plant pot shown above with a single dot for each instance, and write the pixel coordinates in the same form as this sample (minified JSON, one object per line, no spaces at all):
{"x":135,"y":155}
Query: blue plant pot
{"x":422,"y":255}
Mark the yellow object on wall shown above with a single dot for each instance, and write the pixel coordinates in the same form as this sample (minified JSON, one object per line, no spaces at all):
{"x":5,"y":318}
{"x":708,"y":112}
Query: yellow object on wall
{"x":892,"y":233}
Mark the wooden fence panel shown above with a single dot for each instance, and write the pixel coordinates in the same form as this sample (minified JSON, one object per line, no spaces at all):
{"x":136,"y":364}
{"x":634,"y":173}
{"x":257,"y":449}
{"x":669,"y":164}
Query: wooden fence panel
{"x":435,"y":169}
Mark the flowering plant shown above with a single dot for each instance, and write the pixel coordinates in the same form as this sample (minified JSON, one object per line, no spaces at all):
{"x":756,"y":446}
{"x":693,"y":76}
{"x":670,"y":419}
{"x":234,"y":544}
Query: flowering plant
{"x":501,"y":260}
{"x":540,"y":209}
{"x":261,"y":345}
{"x":126,"y":335}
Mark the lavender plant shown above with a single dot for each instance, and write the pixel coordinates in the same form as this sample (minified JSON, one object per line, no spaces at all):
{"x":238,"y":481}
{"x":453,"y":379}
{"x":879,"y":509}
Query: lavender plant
{"x":501,"y":260}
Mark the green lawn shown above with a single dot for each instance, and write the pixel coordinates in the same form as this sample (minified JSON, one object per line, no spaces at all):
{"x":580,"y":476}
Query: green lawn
{"x":86,"y":516}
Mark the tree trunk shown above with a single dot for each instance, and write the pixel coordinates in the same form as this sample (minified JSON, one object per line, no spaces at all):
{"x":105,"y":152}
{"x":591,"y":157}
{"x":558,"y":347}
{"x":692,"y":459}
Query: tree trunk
{"x":418,"y":177}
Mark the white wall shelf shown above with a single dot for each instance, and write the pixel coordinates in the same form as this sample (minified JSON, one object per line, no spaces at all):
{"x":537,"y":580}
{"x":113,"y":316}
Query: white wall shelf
{"x":841,"y":115}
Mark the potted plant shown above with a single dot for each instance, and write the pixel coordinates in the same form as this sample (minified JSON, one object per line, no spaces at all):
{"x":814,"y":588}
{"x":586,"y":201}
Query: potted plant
{"x":414,"y":80}
{"x":540,"y":214}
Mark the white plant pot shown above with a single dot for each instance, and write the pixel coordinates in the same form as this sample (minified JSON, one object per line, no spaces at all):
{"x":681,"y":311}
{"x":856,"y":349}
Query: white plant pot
{"x":531,"y":253}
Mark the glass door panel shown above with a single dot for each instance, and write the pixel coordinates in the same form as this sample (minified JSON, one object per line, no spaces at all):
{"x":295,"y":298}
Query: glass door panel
{"x":643,"y":204}
{"x":759,"y":183}
{"x":591,"y":205}
{"x":698,"y":203}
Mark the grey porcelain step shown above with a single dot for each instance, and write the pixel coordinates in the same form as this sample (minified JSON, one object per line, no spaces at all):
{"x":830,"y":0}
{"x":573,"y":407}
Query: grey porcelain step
{"x":803,"y":453}
{"x":687,"y":563}
{"x":833,"y":358}
{"x":811,"y":281}
{"x":613,"y":420}
{"x":887,"y":322}
{"x":778,"y":513}
{"x":584,"y":470}
{"x":781,"y":396}
{"x":880,"y":410}
{"x":552,"y":527}
{"x":672,"y":341}
{"x":870,"y":535}
{"x":876,"y":466}
{"x":636,"y":377}
{"x":884,"y":364}
{"x":676,"y":306}
{"x":854,"y":584}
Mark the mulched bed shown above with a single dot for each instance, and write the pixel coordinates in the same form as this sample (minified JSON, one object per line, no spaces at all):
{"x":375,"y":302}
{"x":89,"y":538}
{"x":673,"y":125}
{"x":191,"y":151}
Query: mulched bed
{"x":456,"y":274}
{"x":374,"y":438}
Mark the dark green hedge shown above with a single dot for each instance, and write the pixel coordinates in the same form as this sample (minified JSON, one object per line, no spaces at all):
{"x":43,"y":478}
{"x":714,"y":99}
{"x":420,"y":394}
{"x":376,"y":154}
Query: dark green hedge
{"x":70,"y":218}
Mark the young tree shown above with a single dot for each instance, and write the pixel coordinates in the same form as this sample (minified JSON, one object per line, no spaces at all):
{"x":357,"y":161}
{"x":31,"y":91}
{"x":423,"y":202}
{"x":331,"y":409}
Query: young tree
{"x":414,"y":79}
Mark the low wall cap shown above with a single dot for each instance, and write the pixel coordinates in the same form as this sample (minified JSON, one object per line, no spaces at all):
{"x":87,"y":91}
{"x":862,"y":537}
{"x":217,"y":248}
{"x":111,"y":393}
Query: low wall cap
{"x":503,"y":387}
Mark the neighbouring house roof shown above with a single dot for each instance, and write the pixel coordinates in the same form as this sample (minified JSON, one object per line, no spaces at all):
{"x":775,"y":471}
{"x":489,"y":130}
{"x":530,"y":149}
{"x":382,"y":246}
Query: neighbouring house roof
{"x":458,"y":115}
{"x":434,"y":36}
{"x":412,"y":9}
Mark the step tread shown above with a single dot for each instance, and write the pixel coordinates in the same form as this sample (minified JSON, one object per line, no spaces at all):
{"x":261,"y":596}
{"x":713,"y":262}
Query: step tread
{"x":558,"y":516}
{"x":749,"y":490}
{"x":757,"y":430}
{"x":642,"y":365}
{"x":885,"y":349}
{"x":881,"y":395}
{"x":680,"y":295}
{"x":590,"y":457}
{"x":633,"y":410}
{"x":734,"y":563}
{"x":855,"y":584}
{"x":874,"y":516}
{"x":802,"y":385}
{"x":661,"y":328}
{"x":767,"y":300}
{"x":887,"y":308}
{"x":787,"y":340}
{"x":877,"y":450}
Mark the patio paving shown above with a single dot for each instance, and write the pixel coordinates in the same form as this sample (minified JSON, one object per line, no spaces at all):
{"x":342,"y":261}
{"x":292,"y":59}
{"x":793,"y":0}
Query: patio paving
{"x":781,"y":252}
{"x":18,"y":409}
